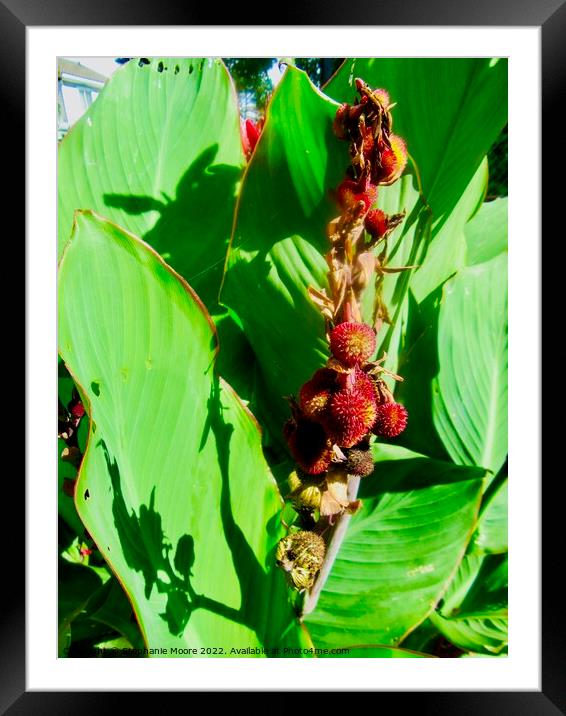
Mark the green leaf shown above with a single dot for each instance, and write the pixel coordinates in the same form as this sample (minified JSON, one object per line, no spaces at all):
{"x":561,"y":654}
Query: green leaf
{"x":111,"y":607}
{"x":76,"y":585}
{"x":473,"y":615}
{"x":492,"y":533}
{"x":279,"y":240}
{"x":236,"y":361}
{"x":173,"y":487}
{"x":449,"y":110}
{"x":447,"y":250}
{"x":400,"y":550}
{"x":470,"y":392}
{"x":487,"y":636}
{"x":65,"y":470}
{"x":486,"y":233}
{"x":418,"y":364}
{"x":159,"y":153}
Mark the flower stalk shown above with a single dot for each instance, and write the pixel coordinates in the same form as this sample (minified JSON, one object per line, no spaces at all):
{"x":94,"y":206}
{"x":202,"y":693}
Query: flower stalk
{"x":344,"y":406}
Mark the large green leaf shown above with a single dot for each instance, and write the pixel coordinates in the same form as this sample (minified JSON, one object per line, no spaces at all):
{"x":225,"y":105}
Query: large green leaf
{"x":447,"y":251}
{"x":449,"y":110}
{"x":418,"y":364}
{"x":400,"y":550}
{"x":77,"y":584}
{"x":473,"y":615}
{"x":173,"y":487}
{"x":492,"y":533}
{"x":280,"y":239}
{"x":159,"y":153}
{"x":109,"y":607}
{"x":486,"y":233}
{"x":470,"y":392}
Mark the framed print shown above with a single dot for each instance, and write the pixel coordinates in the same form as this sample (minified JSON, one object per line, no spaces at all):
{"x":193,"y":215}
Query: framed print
{"x":281,"y":327}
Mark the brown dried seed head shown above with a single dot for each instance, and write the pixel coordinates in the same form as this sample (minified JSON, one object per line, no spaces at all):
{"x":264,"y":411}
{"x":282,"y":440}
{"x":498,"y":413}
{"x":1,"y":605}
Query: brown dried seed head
{"x":360,"y":462}
{"x":301,"y":555}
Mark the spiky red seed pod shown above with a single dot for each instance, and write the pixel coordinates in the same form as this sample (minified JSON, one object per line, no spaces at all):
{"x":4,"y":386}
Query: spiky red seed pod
{"x":368,"y":142}
{"x":351,"y":415}
{"x":376,"y":223}
{"x":349,"y":193}
{"x":364,"y":383}
{"x":316,"y":392}
{"x":352,"y":343}
{"x":309,"y":444}
{"x":393,"y":161}
{"x":391,"y":420}
{"x":383,"y":96}
{"x":359,"y":380}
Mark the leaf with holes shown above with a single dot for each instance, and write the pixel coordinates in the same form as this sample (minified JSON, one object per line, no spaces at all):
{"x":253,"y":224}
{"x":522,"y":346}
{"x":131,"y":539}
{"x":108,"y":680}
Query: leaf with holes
{"x":159,"y":153}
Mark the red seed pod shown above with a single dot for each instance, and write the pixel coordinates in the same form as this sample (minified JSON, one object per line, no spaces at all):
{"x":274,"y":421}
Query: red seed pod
{"x":383,"y":97}
{"x":391,"y":420}
{"x":309,"y":444}
{"x":368,"y":144}
{"x":316,"y":392}
{"x":350,"y":193}
{"x":351,"y":415}
{"x":352,"y":343}
{"x":359,"y":380}
{"x":77,"y":409}
{"x":393,"y":161}
{"x":376,"y":223}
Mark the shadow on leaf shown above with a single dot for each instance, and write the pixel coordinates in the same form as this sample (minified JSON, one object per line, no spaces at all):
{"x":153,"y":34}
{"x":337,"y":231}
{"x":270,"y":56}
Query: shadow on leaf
{"x":193,"y":228}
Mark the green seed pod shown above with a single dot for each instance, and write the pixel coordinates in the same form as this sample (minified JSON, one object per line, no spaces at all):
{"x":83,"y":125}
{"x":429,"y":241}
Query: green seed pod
{"x":294,"y":481}
{"x":307,"y":497}
{"x":301,"y":555}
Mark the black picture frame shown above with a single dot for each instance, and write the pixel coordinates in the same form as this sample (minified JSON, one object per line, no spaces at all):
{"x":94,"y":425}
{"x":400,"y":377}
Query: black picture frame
{"x":550,"y":16}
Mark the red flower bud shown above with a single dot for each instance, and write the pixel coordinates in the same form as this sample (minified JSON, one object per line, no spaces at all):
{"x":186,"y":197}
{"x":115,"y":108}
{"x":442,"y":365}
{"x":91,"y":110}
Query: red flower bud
{"x":249,"y":133}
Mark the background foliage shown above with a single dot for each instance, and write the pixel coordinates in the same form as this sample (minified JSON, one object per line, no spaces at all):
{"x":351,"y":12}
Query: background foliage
{"x":169,"y":539}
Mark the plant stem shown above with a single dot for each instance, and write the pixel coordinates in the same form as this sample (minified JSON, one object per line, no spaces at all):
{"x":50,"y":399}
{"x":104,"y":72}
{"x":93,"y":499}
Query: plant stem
{"x":334,"y":544}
